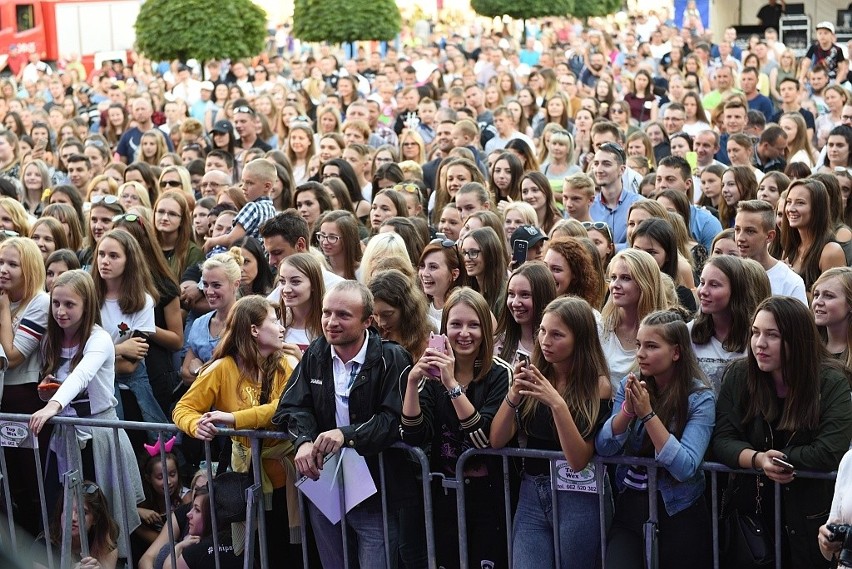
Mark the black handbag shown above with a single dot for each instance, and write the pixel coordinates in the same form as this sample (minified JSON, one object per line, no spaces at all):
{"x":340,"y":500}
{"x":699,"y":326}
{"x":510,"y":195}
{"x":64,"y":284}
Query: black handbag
{"x":746,"y":541}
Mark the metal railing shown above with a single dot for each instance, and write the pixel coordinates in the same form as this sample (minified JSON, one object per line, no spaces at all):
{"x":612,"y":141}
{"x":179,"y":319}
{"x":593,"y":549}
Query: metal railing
{"x":255,"y":520}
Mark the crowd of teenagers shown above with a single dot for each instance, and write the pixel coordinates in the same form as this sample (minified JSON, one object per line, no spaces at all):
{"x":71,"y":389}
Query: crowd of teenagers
{"x":625,"y":239}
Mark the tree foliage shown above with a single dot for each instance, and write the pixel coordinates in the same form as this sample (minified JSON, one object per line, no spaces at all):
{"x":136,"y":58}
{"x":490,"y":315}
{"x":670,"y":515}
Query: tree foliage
{"x":595,"y":8}
{"x":339,"y":21}
{"x":523,"y":9}
{"x":200,"y":29}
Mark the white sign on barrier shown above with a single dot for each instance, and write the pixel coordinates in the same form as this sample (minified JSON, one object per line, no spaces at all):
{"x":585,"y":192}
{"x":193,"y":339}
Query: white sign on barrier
{"x":15,"y":434}
{"x":569,"y":481}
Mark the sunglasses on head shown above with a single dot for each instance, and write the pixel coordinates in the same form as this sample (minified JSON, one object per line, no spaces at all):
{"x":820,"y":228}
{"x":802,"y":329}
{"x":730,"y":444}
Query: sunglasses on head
{"x":599,"y":225}
{"x":129,"y":217}
{"x":107,"y":199}
{"x":614,"y":148}
{"x":408,"y":188}
{"x":244,"y":109}
{"x":90,"y":488}
{"x":445,"y":243}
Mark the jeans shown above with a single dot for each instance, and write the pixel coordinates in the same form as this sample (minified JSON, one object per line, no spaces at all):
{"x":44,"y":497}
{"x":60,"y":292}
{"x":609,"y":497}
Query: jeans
{"x":579,"y":530}
{"x":365,"y":536}
{"x":137,"y":382}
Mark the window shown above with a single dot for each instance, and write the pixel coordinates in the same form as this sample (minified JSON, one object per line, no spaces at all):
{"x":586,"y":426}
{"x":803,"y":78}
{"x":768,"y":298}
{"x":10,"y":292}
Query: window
{"x":25,"y":16}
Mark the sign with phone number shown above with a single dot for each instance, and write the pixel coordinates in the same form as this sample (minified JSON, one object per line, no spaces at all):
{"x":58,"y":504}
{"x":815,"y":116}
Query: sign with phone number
{"x":569,"y":481}
{"x":15,"y":434}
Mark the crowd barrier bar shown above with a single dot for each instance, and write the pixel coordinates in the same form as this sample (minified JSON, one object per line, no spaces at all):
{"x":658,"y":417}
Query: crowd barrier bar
{"x":652,"y":466}
{"x":255,"y":520}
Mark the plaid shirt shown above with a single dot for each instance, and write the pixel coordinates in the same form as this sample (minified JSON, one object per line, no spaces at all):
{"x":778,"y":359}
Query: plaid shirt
{"x":254,"y":214}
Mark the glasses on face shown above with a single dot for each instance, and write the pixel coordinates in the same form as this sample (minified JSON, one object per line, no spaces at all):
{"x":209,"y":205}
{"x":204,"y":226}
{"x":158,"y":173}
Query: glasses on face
{"x":617,"y":111}
{"x":260,"y":70}
{"x":292,"y":99}
{"x":330,"y":237}
{"x":471,"y":254}
{"x":167,"y":213}
{"x":244,"y":109}
{"x":599,"y":225}
{"x":846,"y":118}
{"x":171,"y":184}
{"x":107,"y":199}
{"x":210,"y":185}
{"x":128,"y":217}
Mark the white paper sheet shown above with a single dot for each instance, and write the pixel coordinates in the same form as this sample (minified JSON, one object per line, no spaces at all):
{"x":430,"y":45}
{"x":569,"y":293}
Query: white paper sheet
{"x":346,"y":468}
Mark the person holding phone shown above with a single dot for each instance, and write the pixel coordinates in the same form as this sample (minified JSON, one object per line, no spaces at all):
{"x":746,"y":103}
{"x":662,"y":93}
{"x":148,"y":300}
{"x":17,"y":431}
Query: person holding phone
{"x":531,"y":287}
{"x":451,"y":397}
{"x":785,"y":407}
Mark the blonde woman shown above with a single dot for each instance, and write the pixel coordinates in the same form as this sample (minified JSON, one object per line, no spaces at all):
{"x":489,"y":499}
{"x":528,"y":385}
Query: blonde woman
{"x":835,"y":98}
{"x":786,"y":68}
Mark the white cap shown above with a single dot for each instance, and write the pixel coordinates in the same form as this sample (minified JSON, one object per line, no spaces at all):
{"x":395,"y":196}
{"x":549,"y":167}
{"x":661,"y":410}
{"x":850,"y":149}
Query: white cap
{"x":207,"y":86}
{"x":825,"y":26}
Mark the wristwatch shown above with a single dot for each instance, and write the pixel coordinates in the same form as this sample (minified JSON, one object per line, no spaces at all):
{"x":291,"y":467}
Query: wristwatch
{"x":455,"y":392}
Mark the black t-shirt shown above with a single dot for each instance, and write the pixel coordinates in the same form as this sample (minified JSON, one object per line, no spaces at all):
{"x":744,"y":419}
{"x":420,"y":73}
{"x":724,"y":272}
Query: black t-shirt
{"x":770,"y":15}
{"x":200,"y":555}
{"x":830,"y":57}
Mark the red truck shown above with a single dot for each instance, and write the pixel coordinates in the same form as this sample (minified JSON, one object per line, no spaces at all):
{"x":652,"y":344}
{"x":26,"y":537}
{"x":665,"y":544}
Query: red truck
{"x":96,"y":30}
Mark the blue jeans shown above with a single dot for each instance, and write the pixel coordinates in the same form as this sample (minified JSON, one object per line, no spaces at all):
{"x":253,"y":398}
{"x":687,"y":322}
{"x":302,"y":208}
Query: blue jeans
{"x":137,"y":382}
{"x":579,"y":527}
{"x":365,"y":536}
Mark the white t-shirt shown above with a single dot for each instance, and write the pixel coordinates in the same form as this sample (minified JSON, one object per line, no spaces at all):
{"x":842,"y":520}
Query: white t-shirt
{"x":92,"y":379}
{"x":785,"y":282}
{"x":28,"y":327}
{"x":329,"y":279}
{"x":621,"y":361}
{"x":121,"y":326}
{"x":712,"y":359}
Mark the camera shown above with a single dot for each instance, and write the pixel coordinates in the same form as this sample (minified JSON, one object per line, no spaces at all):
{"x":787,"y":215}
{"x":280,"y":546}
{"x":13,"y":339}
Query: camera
{"x":842,"y":532}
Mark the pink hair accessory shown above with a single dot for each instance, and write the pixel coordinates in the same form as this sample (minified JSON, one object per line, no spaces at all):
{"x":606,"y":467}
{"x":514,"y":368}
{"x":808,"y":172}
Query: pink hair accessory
{"x":154,"y":449}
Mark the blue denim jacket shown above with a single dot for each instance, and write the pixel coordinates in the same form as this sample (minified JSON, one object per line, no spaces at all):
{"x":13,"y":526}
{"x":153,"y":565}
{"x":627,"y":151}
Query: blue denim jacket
{"x":681,"y":482}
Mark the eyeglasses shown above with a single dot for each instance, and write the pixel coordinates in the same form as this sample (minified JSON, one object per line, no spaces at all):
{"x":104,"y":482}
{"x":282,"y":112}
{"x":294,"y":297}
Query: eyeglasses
{"x":599,"y":225}
{"x":617,"y":111}
{"x":330,"y":237}
{"x":407,"y":188}
{"x":95,"y":143}
{"x":105,"y":198}
{"x":244,"y":109}
{"x":171,"y":184}
{"x":614,"y":148}
{"x":211,"y":185}
{"x":128,"y":217}
{"x":167,"y":213}
{"x":471,"y":253}
{"x":292,"y":99}
{"x":847,"y":118}
{"x":260,"y":71}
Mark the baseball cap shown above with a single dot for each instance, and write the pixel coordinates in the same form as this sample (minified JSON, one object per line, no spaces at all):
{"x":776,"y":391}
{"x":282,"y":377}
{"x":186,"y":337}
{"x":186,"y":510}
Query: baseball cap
{"x":825,"y":26}
{"x":207,"y":86}
{"x":529,"y":233}
{"x":223,"y":127}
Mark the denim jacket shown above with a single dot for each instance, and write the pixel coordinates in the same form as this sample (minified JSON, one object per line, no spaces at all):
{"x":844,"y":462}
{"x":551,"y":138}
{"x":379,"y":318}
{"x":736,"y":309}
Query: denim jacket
{"x":681,"y":481}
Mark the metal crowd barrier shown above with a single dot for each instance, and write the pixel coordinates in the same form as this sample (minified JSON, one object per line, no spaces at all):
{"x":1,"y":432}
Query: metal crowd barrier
{"x":255,"y":520}
{"x":652,"y":466}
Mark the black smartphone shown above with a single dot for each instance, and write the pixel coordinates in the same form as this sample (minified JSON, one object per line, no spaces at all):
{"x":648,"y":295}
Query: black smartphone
{"x":783,"y":464}
{"x":519,"y":253}
{"x":524,"y":359}
{"x":141,"y":334}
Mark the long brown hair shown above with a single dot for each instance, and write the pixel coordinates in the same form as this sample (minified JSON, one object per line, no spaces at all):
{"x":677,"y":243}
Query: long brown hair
{"x":581,"y":390}
{"x":240,"y":345}
{"x":309,"y":266}
{"x":820,"y":226}
{"x":543,"y":289}
{"x":184,"y":231}
{"x":102,"y":537}
{"x":469,"y":297}
{"x":83,"y":286}
{"x":136,"y":279}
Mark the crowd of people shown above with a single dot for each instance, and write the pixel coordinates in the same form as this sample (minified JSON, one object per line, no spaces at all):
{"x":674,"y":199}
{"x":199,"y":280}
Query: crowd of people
{"x":625,"y":239}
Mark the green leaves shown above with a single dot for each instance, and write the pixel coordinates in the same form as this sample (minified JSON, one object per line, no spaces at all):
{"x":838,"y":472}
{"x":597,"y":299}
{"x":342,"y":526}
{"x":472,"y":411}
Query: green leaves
{"x":595,"y":8}
{"x":339,"y":21}
{"x":200,"y":29}
{"x":523,"y":10}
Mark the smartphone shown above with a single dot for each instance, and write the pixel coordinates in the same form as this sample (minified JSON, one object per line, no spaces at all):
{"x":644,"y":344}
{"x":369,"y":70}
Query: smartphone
{"x":519,"y":253}
{"x":648,"y":105}
{"x":436,"y":342}
{"x":40,"y":144}
{"x":524,"y":359}
{"x":140,"y":334}
{"x":692,"y":159}
{"x":782,"y":463}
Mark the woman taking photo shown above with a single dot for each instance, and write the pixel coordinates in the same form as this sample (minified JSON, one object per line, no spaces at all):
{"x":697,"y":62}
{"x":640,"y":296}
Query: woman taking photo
{"x":807,"y":237}
{"x":666,"y":412}
{"x":463,"y":386}
{"x":440,"y":271}
{"x":558,"y":402}
{"x":635,"y":290}
{"x":787,"y":403}
{"x":220,"y":277}
{"x":528,"y":292}
{"x":244,"y":383}
{"x":302,"y":288}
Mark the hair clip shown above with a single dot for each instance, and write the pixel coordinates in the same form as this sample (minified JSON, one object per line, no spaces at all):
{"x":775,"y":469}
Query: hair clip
{"x":154,"y":449}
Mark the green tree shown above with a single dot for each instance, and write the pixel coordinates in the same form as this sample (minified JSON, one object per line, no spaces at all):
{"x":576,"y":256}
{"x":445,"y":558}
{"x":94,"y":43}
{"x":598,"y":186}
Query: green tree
{"x":522,"y":9}
{"x":339,"y":21}
{"x":595,"y":8}
{"x":200,"y":29}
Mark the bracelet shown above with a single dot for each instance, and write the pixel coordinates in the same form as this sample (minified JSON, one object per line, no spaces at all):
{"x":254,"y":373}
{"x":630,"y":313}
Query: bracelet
{"x":647,"y":417}
{"x":510,"y":404}
{"x":455,"y":392}
{"x":625,"y":411}
{"x":754,"y":460}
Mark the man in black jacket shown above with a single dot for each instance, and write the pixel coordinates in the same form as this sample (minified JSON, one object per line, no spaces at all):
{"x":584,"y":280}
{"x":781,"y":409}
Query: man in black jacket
{"x":347,"y":392}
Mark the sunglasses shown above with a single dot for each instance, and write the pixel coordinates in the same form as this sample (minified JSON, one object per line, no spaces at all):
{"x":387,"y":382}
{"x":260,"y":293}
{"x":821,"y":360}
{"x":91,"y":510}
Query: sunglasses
{"x":614,"y":148}
{"x":107,"y":199}
{"x":407,"y":188}
{"x":171,"y":184}
{"x":445,"y":243}
{"x":128,"y":217}
{"x":244,"y":109}
{"x":90,"y":488}
{"x":598,"y":225}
